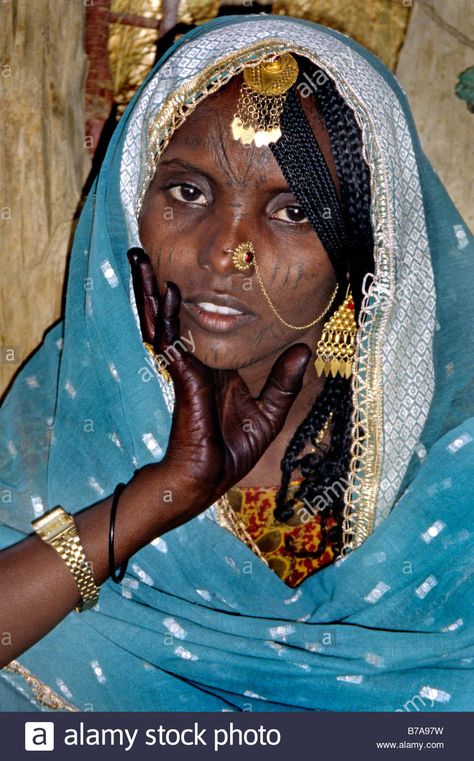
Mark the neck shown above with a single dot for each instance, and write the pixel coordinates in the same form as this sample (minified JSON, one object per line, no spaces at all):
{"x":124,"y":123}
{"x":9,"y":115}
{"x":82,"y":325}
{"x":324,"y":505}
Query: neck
{"x":267,"y":470}
{"x":256,"y":375}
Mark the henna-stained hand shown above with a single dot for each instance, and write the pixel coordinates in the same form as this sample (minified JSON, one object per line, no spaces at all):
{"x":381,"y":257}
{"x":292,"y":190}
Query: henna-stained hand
{"x":210,"y":447}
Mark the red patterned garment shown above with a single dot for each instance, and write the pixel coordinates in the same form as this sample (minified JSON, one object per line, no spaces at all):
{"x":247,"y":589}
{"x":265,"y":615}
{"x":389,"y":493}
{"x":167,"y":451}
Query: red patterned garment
{"x":293,"y":549}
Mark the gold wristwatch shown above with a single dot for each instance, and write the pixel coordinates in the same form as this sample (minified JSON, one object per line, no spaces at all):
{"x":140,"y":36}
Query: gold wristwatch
{"x":58,"y":529}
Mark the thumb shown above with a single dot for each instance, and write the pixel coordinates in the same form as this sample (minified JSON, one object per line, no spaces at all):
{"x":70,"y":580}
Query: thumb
{"x":283,"y":384}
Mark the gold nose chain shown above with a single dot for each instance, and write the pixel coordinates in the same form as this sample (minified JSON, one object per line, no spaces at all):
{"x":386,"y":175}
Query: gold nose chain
{"x":244,"y":257}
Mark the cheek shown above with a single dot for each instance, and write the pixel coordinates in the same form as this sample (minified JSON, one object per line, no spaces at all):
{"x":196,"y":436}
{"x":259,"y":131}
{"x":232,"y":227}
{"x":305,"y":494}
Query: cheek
{"x":160,"y":237}
{"x":300,"y":279}
{"x":314,"y":276}
{"x":148,"y":224}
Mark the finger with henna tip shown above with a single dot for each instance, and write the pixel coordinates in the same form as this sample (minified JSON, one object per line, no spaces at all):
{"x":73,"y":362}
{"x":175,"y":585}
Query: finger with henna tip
{"x":146,"y":291}
{"x":134,"y":255}
{"x":171,"y":304}
{"x":151,"y":298}
{"x":284,"y":382}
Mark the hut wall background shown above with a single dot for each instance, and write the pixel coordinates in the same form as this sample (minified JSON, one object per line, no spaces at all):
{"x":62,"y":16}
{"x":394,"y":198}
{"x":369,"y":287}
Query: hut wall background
{"x":43,"y":165}
{"x":439,"y":45}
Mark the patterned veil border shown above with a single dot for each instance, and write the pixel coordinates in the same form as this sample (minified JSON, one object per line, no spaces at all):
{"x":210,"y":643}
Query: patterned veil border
{"x":43,"y":694}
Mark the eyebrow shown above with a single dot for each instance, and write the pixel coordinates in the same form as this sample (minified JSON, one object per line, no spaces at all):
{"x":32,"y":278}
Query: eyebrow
{"x":187,"y":166}
{"x":278,"y":190}
{"x":182,"y":164}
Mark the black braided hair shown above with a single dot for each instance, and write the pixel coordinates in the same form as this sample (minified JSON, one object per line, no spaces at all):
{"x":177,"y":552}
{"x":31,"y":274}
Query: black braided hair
{"x":314,"y":183}
{"x":325,"y":469}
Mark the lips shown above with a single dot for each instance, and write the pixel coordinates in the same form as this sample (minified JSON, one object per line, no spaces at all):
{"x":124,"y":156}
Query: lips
{"x":218,"y":313}
{"x":216,"y":308}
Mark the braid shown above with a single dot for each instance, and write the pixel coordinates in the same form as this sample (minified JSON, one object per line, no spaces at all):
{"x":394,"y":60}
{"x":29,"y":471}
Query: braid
{"x":346,"y":144}
{"x":325,"y":469}
{"x":314,"y":183}
{"x":306,"y":431}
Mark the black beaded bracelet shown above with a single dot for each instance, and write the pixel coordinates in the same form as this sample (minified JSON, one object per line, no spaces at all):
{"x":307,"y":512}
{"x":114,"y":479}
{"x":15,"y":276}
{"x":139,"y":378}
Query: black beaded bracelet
{"x":116,"y":577}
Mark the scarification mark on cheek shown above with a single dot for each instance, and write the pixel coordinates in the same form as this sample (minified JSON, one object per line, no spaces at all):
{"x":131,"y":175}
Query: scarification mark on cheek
{"x":288,"y":270}
{"x":275,"y":330}
{"x":156,"y":257}
{"x":276,"y":269}
{"x":259,"y":336}
{"x":299,"y":274}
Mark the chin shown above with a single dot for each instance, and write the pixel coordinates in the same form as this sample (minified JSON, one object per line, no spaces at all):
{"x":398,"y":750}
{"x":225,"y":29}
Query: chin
{"x":219,"y":355}
{"x":218,"y":361}
{"x":231,"y":360}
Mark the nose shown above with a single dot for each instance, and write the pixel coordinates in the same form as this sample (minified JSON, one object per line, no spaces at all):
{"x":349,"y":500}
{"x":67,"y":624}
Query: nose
{"x":216,"y":259}
{"x":217,"y":253}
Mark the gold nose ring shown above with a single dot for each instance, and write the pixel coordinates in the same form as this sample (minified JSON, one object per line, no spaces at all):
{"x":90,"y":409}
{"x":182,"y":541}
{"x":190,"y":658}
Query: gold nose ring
{"x":242,"y":255}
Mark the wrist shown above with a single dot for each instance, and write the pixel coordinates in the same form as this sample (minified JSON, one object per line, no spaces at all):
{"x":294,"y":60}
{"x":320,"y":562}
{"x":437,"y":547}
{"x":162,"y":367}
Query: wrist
{"x":175,"y":496}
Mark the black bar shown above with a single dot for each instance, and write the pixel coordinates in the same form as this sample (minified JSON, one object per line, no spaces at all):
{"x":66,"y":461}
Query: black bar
{"x":228,"y":735}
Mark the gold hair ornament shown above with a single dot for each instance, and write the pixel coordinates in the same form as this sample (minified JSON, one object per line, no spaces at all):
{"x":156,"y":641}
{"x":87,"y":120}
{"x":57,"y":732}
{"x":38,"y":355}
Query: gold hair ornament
{"x":261,"y":100}
{"x":335,"y":350}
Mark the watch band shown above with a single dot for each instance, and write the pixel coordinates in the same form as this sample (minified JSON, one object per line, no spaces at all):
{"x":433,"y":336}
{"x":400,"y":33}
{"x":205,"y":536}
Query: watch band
{"x":58,"y":529}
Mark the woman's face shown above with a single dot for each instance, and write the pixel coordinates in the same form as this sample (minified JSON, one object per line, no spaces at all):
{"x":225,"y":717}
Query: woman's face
{"x":209,"y":194}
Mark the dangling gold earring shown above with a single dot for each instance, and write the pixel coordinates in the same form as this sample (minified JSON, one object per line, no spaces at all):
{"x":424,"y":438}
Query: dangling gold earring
{"x":335,"y":350}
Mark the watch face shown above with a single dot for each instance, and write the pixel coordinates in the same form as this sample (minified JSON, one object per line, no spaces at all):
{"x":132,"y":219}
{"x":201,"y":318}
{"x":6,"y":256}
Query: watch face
{"x":59,"y":524}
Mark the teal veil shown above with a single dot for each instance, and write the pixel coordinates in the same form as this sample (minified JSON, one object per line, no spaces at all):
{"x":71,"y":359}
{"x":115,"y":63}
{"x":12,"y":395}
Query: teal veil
{"x":199,"y":622}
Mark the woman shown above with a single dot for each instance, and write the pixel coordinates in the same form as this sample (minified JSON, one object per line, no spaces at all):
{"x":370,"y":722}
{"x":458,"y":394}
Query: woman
{"x":283,"y":525}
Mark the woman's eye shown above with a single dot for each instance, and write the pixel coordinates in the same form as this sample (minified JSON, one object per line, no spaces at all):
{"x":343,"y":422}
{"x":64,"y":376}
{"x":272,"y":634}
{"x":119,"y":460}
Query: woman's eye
{"x":293,"y":214}
{"x":187,"y":194}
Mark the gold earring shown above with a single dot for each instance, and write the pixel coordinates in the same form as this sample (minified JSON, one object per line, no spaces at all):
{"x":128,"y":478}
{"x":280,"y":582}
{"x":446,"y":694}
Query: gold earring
{"x":335,"y":350}
{"x":261,"y":100}
{"x":243,"y":255}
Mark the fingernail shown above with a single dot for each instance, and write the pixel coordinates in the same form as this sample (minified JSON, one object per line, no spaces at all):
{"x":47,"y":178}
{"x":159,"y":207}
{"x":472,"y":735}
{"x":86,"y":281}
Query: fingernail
{"x":136,"y":255}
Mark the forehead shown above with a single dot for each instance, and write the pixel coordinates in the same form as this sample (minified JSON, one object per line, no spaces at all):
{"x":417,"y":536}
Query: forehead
{"x":206,"y":133}
{"x":208,"y":126}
